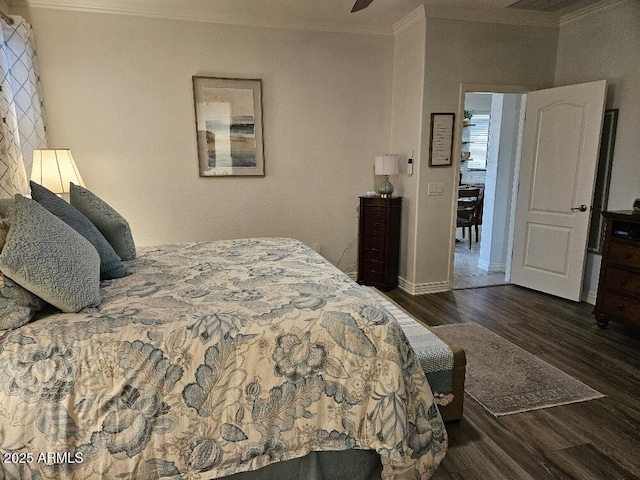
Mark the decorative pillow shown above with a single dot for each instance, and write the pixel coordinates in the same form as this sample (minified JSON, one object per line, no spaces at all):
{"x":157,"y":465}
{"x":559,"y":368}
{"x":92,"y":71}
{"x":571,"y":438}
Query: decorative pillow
{"x":50,"y":259}
{"x":110,"y":264}
{"x":110,"y":223}
{"x":17,"y":305}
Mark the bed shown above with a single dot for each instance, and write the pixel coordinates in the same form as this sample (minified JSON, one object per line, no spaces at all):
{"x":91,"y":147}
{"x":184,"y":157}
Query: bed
{"x":212,"y":359}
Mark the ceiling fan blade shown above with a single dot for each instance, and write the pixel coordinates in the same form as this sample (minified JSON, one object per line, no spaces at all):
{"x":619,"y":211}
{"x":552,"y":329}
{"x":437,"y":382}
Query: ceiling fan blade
{"x":360,"y":5}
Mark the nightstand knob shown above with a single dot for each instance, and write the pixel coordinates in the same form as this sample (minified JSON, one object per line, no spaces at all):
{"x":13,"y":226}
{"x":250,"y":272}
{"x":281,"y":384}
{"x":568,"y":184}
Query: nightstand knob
{"x":620,"y":306}
{"x":628,"y":256}
{"x":623,"y":282}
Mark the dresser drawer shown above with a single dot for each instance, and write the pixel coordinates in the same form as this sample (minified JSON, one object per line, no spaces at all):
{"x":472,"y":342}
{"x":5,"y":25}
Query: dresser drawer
{"x":373,"y":264}
{"x":622,"y":281}
{"x":370,"y":277}
{"x":375,"y":218}
{"x":373,"y":243}
{"x":624,"y":254}
{"x":370,"y":232}
{"x":621,"y":307}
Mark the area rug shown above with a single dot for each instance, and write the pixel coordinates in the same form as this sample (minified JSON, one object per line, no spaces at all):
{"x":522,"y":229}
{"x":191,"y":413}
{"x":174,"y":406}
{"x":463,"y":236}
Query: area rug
{"x":506,"y":379}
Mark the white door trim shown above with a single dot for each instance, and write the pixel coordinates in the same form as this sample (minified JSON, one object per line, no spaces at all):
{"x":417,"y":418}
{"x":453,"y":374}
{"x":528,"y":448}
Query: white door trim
{"x":457,"y":148}
{"x":514,"y":190}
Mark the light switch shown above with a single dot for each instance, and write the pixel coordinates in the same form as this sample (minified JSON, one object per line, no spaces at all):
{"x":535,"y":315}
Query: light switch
{"x":435,"y":189}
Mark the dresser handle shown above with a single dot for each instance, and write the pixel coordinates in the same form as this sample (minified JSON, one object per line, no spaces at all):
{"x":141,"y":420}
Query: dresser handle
{"x":623,"y":282}
{"x":628,"y":256}
{"x":620,"y":306}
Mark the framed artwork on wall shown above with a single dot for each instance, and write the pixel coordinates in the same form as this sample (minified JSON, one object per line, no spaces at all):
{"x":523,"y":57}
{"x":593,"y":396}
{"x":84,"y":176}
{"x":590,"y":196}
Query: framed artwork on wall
{"x":603,"y":178}
{"x":441,"y":139}
{"x":228,"y":126}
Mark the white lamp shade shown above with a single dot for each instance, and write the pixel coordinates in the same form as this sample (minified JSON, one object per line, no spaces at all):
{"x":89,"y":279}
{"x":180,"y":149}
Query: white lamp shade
{"x":55,"y":169}
{"x":387,"y":165}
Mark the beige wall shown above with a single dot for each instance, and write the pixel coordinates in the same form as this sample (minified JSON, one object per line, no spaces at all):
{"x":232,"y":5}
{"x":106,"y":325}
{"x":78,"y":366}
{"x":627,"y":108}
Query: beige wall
{"x":606,"y":45}
{"x":457,"y":52}
{"x":118,"y":92}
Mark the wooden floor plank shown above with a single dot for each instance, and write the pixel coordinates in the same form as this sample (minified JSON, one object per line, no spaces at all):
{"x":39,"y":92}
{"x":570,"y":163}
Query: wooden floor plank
{"x":597,"y":439}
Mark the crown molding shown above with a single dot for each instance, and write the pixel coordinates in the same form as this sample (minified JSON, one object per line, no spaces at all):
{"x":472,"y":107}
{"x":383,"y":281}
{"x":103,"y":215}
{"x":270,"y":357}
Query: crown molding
{"x":591,"y":10}
{"x":205,"y":17}
{"x":408,"y":20}
{"x":509,"y":16}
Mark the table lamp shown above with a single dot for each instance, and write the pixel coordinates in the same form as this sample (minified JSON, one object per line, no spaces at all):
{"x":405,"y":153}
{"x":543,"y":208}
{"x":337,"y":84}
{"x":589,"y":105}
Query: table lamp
{"x":54,"y":170}
{"x":386,"y":165}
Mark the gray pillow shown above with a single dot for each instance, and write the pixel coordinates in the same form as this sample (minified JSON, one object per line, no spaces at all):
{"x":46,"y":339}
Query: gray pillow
{"x":50,"y":259}
{"x":110,"y":264}
{"x":17,"y":305}
{"x":110,"y":223}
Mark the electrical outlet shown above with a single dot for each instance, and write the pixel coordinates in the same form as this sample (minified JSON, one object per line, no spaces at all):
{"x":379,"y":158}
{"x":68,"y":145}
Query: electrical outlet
{"x":435,"y":189}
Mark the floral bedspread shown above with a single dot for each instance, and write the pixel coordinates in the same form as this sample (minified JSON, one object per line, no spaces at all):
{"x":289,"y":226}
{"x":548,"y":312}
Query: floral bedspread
{"x":210,"y":359}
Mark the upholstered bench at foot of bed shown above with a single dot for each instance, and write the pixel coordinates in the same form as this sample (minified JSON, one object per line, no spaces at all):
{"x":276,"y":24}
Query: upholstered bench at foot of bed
{"x":453,"y":411}
{"x":433,"y":358}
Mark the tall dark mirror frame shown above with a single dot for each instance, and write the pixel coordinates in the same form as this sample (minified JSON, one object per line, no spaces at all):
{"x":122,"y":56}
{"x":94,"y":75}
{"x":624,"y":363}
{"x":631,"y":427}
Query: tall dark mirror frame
{"x":601,"y":194}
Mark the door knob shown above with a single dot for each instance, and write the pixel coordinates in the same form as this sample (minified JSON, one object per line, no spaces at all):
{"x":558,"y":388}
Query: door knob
{"x":581,"y":208}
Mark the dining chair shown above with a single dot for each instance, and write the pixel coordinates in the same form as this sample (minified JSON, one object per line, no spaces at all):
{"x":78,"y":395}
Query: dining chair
{"x":469,"y":209}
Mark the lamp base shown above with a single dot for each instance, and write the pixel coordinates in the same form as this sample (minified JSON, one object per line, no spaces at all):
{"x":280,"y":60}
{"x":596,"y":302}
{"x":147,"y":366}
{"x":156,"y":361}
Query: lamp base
{"x":386,"y":189}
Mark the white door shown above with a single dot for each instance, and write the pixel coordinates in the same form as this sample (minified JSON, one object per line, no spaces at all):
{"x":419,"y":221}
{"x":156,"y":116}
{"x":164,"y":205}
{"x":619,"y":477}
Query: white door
{"x":557,"y":173}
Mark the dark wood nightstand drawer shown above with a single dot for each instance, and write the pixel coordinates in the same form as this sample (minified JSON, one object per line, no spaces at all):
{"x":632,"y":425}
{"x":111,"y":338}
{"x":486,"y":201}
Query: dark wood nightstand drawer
{"x":624,"y":254}
{"x":622,"y":307}
{"x":374,"y":233}
{"x":373,"y":243}
{"x":375,"y":214}
{"x":622,"y":281}
{"x":373,"y":264}
{"x":371,"y":277}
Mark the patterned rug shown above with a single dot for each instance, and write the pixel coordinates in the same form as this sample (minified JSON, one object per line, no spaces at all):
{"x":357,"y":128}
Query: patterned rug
{"x":506,"y":379}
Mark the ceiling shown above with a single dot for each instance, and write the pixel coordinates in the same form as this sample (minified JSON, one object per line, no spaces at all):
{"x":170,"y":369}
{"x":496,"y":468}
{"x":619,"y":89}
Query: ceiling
{"x":379,"y":17}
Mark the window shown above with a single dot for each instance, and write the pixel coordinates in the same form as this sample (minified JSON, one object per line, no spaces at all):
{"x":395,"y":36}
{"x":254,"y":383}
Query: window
{"x":478,"y":137}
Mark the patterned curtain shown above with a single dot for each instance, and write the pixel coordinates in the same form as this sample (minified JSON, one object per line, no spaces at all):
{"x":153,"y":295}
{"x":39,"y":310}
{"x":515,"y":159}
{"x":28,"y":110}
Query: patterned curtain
{"x":23,"y":125}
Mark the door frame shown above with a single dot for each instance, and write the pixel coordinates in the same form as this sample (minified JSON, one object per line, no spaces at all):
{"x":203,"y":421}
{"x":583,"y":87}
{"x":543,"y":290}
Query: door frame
{"x":457,"y":149}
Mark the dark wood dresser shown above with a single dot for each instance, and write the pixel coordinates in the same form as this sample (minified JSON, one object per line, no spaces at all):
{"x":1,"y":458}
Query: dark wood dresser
{"x":619,"y":284}
{"x":379,"y":242}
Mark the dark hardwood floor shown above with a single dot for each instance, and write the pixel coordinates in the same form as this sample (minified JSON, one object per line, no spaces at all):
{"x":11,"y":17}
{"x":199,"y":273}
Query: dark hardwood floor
{"x":598,"y":439}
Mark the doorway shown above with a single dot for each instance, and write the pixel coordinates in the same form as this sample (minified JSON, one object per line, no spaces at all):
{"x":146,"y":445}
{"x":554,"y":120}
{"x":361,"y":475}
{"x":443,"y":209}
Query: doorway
{"x":489,"y":151}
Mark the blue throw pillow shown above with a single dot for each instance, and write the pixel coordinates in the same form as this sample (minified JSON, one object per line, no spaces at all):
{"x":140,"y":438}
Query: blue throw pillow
{"x":17,"y":304}
{"x":111,"y":224}
{"x":110,"y":264}
{"x":50,"y":259}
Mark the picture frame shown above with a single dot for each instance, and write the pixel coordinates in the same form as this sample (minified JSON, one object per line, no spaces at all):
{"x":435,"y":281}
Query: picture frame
{"x":228,"y":114}
{"x":603,"y":179}
{"x":441,"y":139}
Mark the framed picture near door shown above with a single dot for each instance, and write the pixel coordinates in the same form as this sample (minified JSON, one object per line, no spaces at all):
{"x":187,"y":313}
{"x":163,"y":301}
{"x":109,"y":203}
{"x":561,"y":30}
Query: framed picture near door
{"x":441,"y":139}
{"x":603,"y":178}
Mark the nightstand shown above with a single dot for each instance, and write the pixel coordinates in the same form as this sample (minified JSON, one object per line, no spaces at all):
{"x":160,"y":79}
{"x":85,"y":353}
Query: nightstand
{"x":379,"y":242}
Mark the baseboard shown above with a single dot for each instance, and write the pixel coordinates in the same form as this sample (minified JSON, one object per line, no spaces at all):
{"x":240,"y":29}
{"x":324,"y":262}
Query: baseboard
{"x":589,"y":297}
{"x":422,"y":288}
{"x":412,"y":288}
{"x":491,"y":267}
